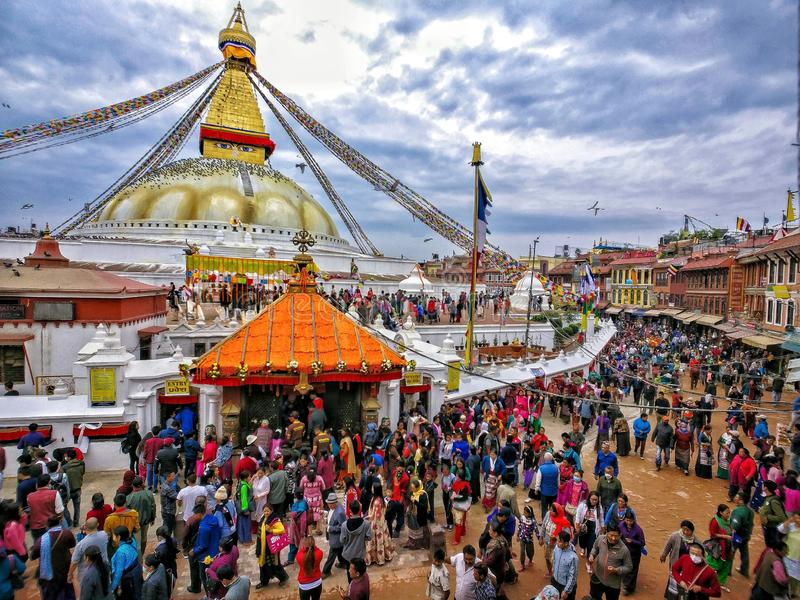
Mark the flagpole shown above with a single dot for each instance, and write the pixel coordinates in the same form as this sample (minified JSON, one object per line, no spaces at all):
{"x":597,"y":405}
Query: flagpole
{"x":473,"y":279}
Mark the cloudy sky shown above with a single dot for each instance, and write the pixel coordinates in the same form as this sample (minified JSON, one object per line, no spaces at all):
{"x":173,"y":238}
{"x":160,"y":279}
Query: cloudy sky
{"x":652,"y":109}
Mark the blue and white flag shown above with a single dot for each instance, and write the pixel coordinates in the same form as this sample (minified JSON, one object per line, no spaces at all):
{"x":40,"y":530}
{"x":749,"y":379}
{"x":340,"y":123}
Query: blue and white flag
{"x":484,"y":202}
{"x":587,"y":281}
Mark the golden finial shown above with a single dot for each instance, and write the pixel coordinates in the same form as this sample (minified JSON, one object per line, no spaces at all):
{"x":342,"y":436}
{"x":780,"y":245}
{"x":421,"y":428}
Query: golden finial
{"x":476,"y":154}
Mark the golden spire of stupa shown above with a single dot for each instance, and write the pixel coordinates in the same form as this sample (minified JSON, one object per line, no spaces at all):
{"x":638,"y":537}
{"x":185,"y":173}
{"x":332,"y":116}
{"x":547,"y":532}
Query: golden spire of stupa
{"x":233,"y":127}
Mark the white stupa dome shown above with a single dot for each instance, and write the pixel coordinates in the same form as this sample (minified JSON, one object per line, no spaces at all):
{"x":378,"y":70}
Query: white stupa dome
{"x":519,"y":299}
{"x":415,"y":282}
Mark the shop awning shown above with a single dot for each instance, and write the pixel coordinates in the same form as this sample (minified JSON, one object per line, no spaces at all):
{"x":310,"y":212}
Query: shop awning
{"x":689,"y":318}
{"x":614,"y":310}
{"x":671,"y":312}
{"x":415,"y":389}
{"x":709,"y":319}
{"x":636,"y":312}
{"x":791,"y":347}
{"x":190,"y":399}
{"x":725,"y":327}
{"x":653,"y":313}
{"x":14,"y":337}
{"x":739,"y":334}
{"x":152,"y":330}
{"x":762,"y":341}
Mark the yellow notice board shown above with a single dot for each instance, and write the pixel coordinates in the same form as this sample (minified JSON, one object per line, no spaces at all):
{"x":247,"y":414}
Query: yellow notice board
{"x":176,"y":387}
{"x":102,"y":386}
{"x":413,"y":378}
{"x":453,"y":375}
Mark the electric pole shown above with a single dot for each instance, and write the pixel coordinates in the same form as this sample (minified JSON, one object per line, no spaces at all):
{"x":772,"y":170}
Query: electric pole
{"x":531,"y":260}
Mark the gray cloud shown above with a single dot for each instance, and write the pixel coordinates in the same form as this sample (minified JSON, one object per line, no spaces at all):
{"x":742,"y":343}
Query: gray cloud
{"x":683,"y":106}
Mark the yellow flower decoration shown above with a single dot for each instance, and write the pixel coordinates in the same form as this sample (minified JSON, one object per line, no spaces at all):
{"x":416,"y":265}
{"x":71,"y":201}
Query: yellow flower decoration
{"x":292,"y":366}
{"x":411,"y":365}
{"x":241,"y":371}
{"x":213,"y":371}
{"x":386,"y":364}
{"x":341,"y":366}
{"x":364,"y":367}
{"x":316,"y":367}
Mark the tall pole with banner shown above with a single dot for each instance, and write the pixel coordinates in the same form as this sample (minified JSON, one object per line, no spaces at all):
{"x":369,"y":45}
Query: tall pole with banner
{"x":532,"y":260}
{"x":476,"y":162}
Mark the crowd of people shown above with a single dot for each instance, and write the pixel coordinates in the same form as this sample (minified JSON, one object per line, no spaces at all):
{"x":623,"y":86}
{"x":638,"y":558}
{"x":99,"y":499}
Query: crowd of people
{"x":416,"y":483}
{"x":423,"y":307}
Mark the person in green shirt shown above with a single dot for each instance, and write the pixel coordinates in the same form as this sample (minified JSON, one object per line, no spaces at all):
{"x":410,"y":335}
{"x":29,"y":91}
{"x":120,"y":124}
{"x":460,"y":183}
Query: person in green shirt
{"x":742,"y":525}
{"x":772,"y":513}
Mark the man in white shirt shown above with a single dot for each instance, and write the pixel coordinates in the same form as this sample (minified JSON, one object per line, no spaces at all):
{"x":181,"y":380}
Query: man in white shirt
{"x":189,"y":495}
{"x":464,"y":563}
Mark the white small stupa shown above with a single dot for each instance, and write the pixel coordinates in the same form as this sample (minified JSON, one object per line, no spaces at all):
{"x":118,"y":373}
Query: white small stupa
{"x":524,"y":287}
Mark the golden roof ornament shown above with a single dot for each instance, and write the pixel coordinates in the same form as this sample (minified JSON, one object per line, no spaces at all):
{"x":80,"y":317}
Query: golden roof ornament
{"x":304,"y":277}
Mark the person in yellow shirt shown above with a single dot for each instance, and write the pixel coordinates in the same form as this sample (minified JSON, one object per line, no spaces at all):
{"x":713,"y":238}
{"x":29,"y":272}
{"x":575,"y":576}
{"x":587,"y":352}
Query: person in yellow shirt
{"x":122,"y":515}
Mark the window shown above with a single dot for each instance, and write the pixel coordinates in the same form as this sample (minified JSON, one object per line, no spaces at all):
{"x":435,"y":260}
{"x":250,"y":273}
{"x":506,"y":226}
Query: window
{"x":199,"y":349}
{"x":779,"y":313}
{"x":770,"y":303}
{"x":781,"y":270}
{"x":771,"y":271}
{"x":12,"y":364}
{"x":790,"y":312}
{"x":793,"y":262}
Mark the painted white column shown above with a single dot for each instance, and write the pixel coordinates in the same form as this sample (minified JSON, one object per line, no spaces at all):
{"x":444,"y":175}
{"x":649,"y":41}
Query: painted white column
{"x":390,"y":401}
{"x":589,"y":327}
{"x":213,"y":396}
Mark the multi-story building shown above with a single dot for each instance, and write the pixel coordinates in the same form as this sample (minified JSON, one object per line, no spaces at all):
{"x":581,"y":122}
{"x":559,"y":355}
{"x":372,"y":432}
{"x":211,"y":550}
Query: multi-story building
{"x":542,"y":264}
{"x":632,"y":280}
{"x":565,"y":273}
{"x":707,"y":284}
{"x":771,"y":287}
{"x":457,"y":269}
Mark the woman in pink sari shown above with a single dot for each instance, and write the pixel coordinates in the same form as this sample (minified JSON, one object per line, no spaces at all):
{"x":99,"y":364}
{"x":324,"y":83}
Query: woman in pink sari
{"x":209,"y":454}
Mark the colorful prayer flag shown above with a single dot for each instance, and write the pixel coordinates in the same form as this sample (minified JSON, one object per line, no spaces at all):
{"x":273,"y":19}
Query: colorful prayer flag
{"x":742,"y":225}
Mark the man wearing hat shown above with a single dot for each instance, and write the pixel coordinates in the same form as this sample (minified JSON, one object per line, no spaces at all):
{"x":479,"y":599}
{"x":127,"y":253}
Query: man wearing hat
{"x":224,"y":512}
{"x":336,"y":518}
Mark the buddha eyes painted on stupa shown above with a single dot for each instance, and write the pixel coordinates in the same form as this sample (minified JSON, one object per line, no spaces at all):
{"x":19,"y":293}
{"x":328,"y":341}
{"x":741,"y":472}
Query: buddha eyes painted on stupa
{"x":223,"y":145}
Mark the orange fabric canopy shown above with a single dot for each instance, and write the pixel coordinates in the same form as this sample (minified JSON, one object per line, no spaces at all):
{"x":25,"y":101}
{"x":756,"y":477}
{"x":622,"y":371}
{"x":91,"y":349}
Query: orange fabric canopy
{"x":299,"y":333}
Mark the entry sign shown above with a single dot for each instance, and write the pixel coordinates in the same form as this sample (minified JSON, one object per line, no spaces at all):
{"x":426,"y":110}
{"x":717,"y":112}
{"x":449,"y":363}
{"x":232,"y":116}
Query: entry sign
{"x":102,"y":386}
{"x":176,"y":387}
{"x":453,"y":375}
{"x":413,"y":378}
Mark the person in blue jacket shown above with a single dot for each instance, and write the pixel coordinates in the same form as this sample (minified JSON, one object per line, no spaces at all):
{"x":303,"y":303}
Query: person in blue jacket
{"x":641,"y":429}
{"x":547,"y":482}
{"x":606,"y":458}
{"x":206,"y":546}
{"x":762,"y":429}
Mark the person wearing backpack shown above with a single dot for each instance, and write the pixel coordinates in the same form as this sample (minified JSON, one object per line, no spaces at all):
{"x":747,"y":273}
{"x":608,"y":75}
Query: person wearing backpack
{"x":772,"y":513}
{"x":60,"y":483}
{"x":74,"y":469}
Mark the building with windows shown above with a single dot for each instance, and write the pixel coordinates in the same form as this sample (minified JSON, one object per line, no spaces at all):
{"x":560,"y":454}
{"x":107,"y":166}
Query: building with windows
{"x":706,"y":282}
{"x":771,"y":283}
{"x":632,"y":280}
{"x":49,"y":309}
